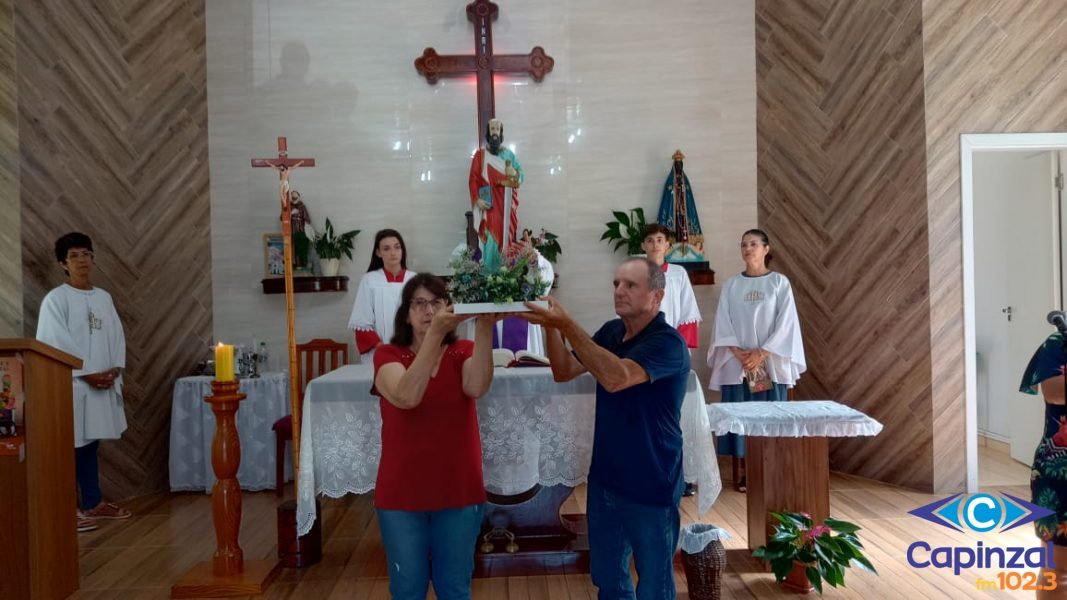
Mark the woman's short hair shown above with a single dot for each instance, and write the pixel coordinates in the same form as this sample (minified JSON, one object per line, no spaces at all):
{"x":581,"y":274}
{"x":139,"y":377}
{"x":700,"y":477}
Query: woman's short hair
{"x":376,"y":261}
{"x":74,"y":239}
{"x":403,"y":333}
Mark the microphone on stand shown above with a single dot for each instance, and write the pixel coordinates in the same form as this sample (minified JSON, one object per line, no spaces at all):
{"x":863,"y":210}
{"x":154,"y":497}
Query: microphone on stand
{"x":1058,"y":319}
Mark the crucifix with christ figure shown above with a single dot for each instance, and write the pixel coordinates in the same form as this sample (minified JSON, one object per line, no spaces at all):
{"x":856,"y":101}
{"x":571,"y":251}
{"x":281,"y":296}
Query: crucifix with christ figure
{"x":483,"y":62}
{"x":283,"y":164}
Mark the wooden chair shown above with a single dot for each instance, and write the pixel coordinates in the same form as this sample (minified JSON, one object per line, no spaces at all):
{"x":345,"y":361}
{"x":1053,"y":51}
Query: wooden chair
{"x":315,"y":358}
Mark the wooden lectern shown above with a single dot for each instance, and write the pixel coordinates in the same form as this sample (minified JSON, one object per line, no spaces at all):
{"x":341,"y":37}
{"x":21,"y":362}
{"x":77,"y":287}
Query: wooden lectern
{"x":38,"y":500}
{"x":785,"y":473}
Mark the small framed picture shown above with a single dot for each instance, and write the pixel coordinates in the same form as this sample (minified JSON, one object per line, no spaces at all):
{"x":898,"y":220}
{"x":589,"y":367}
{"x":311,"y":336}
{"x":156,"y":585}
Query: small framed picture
{"x":274,"y":258}
{"x":12,"y":399}
{"x":273,"y":255}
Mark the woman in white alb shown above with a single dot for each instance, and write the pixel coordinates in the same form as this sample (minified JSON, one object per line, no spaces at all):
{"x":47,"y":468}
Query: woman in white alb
{"x":757,"y":332}
{"x":81,"y":320}
{"x":379,"y":292}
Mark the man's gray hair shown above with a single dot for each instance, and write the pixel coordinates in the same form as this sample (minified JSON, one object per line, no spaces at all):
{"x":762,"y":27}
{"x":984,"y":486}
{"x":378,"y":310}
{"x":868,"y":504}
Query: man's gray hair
{"x":656,"y":279}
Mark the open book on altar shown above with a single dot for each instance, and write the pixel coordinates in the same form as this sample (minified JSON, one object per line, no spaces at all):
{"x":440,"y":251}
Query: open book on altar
{"x":502,"y":357}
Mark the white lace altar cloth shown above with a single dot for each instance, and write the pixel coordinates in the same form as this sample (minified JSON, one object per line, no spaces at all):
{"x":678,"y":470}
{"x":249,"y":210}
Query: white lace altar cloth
{"x":192,"y":429}
{"x":801,"y":418}
{"x":533,"y":430}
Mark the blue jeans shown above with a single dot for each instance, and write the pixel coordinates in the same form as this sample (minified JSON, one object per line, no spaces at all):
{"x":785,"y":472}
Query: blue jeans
{"x":435,"y":545}
{"x":618,"y":528}
{"x":87,"y":473}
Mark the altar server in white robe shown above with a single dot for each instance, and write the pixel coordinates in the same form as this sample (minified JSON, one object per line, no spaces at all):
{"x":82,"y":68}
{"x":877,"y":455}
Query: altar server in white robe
{"x":756,"y":339}
{"x":679,"y":304}
{"x":379,"y":293}
{"x":81,"y":320}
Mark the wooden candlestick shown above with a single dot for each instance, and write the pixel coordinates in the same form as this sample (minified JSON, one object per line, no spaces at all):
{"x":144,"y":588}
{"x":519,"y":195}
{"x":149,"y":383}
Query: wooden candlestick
{"x":226,"y":495}
{"x":227,"y":574}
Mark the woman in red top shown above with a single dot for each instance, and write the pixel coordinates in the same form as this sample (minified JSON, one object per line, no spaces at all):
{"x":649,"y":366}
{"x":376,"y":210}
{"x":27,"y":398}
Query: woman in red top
{"x":429,"y":494}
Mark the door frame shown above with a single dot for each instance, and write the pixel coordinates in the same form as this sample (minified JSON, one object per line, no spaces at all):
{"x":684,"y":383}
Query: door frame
{"x":969,"y":144}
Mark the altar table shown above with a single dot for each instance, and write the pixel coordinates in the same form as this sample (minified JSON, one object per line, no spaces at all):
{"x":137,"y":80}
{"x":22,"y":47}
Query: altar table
{"x":787,"y":460}
{"x":192,"y":429}
{"x":533,"y":430}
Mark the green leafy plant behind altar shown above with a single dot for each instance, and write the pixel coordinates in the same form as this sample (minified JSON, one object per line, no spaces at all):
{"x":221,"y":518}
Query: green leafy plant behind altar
{"x":825,"y":550}
{"x":547,"y":243}
{"x":517,"y":280}
{"x":627,"y":230}
{"x":329,"y":245}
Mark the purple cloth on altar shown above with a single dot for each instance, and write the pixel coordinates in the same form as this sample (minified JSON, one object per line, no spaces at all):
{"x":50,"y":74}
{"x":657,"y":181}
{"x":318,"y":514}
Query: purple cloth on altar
{"x":516,"y":334}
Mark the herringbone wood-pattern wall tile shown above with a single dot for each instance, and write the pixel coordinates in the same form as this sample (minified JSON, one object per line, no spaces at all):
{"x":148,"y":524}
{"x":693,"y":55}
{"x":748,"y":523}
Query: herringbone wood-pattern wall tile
{"x":842,"y":194}
{"x":113,"y":115}
{"x":990,"y":67}
{"x":10,"y":220}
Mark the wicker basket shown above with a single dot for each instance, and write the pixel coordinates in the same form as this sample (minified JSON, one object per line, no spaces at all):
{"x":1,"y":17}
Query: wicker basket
{"x":703,"y":571}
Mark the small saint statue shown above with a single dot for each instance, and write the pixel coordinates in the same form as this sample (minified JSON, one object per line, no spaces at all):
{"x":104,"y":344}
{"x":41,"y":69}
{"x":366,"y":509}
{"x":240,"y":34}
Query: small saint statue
{"x":303,"y":232}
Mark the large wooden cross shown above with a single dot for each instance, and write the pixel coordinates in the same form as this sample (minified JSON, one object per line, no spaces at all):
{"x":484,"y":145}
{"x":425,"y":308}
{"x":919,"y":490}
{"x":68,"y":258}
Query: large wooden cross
{"x":283,"y":164}
{"x":483,"y":62}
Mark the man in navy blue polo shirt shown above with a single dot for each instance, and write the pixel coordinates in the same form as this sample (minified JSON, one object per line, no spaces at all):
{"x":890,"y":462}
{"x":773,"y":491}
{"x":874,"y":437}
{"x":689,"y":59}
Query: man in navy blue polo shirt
{"x":641,"y":365}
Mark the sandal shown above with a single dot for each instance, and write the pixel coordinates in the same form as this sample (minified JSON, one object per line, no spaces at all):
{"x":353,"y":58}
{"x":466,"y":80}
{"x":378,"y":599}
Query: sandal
{"x":742,"y":485}
{"x":107,"y":510}
{"x":86,"y":524}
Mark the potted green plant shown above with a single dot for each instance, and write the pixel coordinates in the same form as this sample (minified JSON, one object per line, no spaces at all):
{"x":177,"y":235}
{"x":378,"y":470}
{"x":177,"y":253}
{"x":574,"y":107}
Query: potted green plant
{"x":626,"y":230}
{"x":330,"y":247}
{"x":804,"y":554}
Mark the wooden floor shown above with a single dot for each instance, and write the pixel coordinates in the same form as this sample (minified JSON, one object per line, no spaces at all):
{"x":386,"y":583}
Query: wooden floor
{"x":142,"y":557}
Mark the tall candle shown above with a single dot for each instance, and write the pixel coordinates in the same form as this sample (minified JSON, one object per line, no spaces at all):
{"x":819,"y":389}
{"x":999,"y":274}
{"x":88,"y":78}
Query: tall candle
{"x":223,"y":362}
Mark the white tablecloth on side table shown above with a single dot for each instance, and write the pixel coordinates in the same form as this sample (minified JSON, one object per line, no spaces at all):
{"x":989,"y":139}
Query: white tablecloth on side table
{"x":533,"y":430}
{"x":798,"y":418}
{"x":787,"y":462}
{"x":192,"y":429}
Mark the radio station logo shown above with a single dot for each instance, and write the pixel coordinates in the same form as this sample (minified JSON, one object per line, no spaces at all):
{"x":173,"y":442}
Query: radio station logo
{"x":986,"y":514}
{"x":981,"y":512}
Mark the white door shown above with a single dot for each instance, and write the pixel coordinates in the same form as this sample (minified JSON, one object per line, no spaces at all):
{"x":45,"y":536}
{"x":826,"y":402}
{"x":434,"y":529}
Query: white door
{"x":1060,"y":157}
{"x":1017,"y":250}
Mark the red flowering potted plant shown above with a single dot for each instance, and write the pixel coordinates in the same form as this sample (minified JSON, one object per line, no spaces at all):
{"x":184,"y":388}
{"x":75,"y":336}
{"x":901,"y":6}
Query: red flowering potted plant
{"x":804,"y":555}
